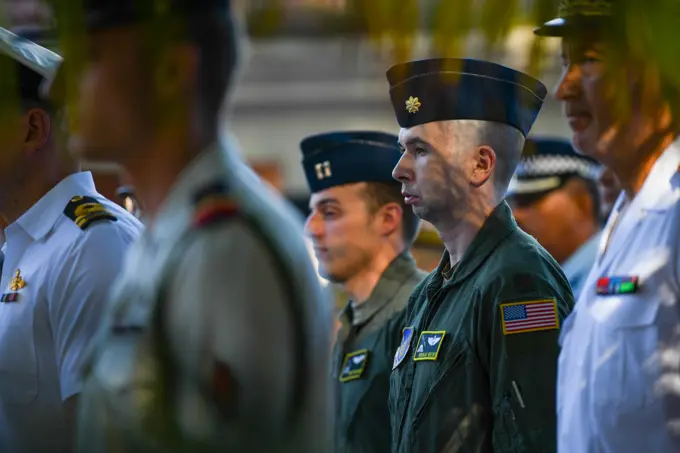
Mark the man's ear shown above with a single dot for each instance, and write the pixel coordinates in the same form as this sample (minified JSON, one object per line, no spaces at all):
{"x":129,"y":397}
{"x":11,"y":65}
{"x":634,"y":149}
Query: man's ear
{"x":38,"y":129}
{"x":485,"y":162}
{"x":389,"y":218}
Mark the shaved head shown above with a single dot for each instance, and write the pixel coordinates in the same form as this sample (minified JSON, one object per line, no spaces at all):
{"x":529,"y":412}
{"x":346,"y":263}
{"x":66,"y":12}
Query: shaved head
{"x":506,"y":141}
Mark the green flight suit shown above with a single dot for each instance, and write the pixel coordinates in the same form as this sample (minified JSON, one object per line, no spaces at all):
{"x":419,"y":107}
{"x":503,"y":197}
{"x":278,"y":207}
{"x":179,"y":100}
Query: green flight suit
{"x":362,"y":364}
{"x":472,"y":373}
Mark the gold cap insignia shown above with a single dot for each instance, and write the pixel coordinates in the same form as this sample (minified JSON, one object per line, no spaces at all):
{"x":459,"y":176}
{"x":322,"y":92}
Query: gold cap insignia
{"x":17,"y":282}
{"x":412,"y":104}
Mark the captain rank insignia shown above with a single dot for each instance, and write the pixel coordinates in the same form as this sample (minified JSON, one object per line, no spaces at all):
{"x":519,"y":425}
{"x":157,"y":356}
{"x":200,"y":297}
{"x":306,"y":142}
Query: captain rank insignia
{"x":323,"y":170}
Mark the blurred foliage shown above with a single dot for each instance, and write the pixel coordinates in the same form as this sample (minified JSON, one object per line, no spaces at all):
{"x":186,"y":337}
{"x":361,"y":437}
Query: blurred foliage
{"x":645,"y":31}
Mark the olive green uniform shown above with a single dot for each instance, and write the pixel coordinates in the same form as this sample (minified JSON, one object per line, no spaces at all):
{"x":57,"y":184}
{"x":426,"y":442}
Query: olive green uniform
{"x":471,"y":374}
{"x":362,"y":364}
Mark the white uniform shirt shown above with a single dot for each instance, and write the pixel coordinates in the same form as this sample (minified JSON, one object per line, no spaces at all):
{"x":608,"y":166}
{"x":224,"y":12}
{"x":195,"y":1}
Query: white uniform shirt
{"x":611,"y":344}
{"x":67,"y":273}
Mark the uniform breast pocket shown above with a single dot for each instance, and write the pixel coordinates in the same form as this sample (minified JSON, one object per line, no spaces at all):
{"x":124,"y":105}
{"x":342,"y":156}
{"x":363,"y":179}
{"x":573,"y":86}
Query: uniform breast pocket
{"x":18,"y":370}
{"x":439,"y":388}
{"x":624,"y":357}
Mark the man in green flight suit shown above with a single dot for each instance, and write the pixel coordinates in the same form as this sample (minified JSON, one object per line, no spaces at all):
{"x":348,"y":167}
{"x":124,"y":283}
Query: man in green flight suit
{"x":362,"y":232}
{"x":475,"y":370}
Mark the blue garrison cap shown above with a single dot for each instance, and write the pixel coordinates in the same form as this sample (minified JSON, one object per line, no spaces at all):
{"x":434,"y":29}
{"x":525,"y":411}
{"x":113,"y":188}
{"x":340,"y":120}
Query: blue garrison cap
{"x":578,"y":16}
{"x":338,"y":158}
{"x":101,"y":14}
{"x":443,"y":89}
{"x":546,"y":164}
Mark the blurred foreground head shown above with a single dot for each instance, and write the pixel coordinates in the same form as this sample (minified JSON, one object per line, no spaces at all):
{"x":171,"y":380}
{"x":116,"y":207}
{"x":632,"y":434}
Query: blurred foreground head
{"x":140,"y":73}
{"x":554,"y":195}
{"x":621,"y":78}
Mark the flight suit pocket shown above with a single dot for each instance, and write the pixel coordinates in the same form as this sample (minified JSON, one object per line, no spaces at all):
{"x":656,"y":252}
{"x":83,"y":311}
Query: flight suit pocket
{"x":626,"y":343}
{"x":438,"y":394}
{"x":18,"y":369}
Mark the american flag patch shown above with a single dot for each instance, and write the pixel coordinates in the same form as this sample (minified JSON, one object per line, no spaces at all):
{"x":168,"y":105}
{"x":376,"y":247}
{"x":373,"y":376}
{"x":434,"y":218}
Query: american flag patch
{"x":520,"y":317}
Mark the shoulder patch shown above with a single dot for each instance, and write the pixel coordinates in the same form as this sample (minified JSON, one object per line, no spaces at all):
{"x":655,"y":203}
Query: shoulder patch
{"x":85,"y":211}
{"x":212,"y":204}
{"x":529,"y":316}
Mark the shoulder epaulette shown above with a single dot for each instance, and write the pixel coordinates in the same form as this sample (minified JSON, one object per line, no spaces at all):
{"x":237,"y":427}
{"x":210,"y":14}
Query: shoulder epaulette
{"x":85,"y":211}
{"x":212,"y":204}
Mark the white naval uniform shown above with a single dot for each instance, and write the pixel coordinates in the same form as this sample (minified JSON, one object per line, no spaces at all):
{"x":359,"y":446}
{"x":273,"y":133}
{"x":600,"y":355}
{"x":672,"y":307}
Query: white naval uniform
{"x":227,"y":301}
{"x":43,"y":335}
{"x":611,"y":344}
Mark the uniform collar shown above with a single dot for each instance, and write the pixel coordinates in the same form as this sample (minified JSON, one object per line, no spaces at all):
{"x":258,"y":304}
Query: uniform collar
{"x":497,"y":226}
{"x":402,"y":267}
{"x":661,"y":181}
{"x":42,"y":216}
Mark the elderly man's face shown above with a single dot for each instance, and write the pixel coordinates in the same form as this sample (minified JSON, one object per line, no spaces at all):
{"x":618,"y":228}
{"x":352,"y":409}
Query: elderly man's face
{"x":436,"y":159}
{"x":602,"y":95}
{"x":586,"y":95}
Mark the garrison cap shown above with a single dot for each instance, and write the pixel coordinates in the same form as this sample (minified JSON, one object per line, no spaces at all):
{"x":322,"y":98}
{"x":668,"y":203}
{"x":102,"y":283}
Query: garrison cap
{"x":102,"y":14}
{"x":338,"y":158}
{"x":443,"y":89}
{"x":35,"y":64}
{"x":546,"y":164}
{"x":576,"y":16}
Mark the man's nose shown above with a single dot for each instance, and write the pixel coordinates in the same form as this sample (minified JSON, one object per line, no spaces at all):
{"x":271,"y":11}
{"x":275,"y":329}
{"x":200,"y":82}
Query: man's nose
{"x":403,"y":171}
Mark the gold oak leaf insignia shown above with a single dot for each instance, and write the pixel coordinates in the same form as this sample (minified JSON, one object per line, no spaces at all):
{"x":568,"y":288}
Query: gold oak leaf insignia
{"x":412,"y":104}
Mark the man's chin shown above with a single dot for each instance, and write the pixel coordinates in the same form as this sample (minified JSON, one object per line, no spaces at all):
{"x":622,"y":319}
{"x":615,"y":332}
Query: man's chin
{"x":331,"y":276}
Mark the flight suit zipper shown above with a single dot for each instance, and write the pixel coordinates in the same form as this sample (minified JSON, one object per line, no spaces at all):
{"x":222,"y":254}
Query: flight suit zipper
{"x":432,"y":303}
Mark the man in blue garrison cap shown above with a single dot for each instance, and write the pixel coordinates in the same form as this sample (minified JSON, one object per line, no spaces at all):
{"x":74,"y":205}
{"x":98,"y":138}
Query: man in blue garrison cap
{"x":475,"y":368}
{"x":362,"y":232}
{"x":554,"y":197}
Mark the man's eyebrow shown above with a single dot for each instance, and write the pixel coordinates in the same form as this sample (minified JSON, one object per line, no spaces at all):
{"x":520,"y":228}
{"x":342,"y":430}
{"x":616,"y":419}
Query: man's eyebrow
{"x":415,"y":141}
{"x":323,"y":202}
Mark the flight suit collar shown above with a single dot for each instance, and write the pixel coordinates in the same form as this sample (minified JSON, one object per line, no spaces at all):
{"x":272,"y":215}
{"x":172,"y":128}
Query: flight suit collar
{"x":402,"y":267}
{"x":43,"y":215}
{"x":497,"y":226}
